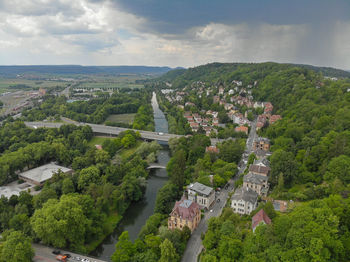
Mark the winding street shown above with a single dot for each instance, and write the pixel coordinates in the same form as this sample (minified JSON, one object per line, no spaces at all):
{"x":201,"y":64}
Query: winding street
{"x":194,"y":245}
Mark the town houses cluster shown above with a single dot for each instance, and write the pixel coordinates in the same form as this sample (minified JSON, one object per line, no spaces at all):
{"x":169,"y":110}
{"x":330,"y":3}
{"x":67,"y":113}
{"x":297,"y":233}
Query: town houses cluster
{"x":232,"y":98}
{"x":198,"y":198}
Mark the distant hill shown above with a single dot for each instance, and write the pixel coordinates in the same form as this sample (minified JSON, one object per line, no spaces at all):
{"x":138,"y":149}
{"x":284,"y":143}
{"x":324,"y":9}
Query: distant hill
{"x":246,"y":72}
{"x":12,"y":71}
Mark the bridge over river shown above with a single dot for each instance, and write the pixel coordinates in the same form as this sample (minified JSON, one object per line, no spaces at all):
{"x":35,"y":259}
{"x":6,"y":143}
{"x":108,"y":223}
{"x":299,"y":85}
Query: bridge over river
{"x":108,"y":130}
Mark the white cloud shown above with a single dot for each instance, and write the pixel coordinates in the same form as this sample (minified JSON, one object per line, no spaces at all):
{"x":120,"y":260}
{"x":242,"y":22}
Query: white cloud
{"x":88,"y":32}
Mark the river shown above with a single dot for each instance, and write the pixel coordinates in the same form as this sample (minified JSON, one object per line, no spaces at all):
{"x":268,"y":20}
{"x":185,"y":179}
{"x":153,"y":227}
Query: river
{"x":137,"y":214}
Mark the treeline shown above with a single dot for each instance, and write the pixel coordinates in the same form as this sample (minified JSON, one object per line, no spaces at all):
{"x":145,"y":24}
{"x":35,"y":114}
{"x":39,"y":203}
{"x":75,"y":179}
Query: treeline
{"x":177,"y":124}
{"x":95,"y":110}
{"x":246,"y":72}
{"x":144,"y":118}
{"x":313,"y":231}
{"x":79,"y":207}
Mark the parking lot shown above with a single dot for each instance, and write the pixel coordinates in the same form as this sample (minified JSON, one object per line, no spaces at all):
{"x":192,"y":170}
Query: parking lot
{"x":14,"y":189}
{"x":44,"y":254}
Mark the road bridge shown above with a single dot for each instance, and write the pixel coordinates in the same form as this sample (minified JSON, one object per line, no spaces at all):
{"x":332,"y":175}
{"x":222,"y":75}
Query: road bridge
{"x":108,"y":130}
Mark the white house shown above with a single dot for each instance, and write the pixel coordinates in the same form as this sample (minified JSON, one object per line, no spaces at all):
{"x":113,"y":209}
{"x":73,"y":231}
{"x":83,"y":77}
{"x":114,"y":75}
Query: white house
{"x":244,"y":201}
{"x":201,"y":194}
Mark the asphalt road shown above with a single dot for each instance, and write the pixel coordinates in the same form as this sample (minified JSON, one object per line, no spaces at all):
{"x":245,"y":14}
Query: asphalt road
{"x":44,"y":254}
{"x":194,"y":245}
{"x":108,"y":130}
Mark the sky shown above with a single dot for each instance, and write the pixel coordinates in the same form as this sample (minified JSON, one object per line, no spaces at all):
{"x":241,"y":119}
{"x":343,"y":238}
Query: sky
{"x":174,"y":33}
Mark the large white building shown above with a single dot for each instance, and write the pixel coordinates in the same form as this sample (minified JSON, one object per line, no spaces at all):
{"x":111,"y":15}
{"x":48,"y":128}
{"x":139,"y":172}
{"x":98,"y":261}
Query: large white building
{"x":41,"y":174}
{"x":201,"y":194}
{"x":244,"y":200}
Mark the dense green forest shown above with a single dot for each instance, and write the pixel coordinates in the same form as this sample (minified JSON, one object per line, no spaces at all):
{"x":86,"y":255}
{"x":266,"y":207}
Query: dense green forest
{"x":248,"y":73}
{"x":313,"y":231}
{"x":98,"y":193}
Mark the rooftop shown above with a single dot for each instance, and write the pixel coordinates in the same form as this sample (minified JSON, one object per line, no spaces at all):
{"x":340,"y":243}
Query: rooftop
{"x":262,"y":162}
{"x":255,"y":179}
{"x":259,"y":169}
{"x":186,"y":203}
{"x":200,"y":188}
{"x":246,"y":194}
{"x":259,"y":217}
{"x":43,"y":173}
{"x":185,"y":209}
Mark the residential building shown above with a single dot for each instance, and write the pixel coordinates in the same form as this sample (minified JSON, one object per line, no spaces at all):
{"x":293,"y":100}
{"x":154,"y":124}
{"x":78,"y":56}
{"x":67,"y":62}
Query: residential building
{"x":185,"y":213}
{"x":262,"y":162}
{"x":201,"y":194}
{"x":216,"y":99}
{"x":274,"y":118}
{"x":261,"y":143}
{"x":244,"y":200}
{"x":243,"y":129}
{"x":258,"y":183}
{"x":212,"y":149}
{"x":260,"y":218}
{"x":259,"y":170}
{"x":280,"y":205}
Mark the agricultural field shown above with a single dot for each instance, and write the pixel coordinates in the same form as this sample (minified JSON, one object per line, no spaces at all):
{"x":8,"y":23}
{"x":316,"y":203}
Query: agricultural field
{"x":122,"y":118}
{"x":7,"y":85}
{"x":123,"y":81}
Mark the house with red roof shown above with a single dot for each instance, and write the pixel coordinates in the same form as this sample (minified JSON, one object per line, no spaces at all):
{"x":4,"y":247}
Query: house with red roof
{"x":243,"y":129}
{"x":260,"y":218}
{"x":274,"y":118}
{"x":185,"y":213}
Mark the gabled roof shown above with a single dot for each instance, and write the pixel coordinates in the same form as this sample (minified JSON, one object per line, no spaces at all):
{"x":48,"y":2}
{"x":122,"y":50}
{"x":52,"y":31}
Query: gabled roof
{"x":259,"y":169}
{"x":259,"y":217}
{"x":262,"y":162}
{"x":255,"y":179}
{"x":186,"y":209}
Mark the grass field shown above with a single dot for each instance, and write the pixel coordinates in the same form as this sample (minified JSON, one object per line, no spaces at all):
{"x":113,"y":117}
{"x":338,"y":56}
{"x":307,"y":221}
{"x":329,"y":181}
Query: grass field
{"x":98,"y":140}
{"x":126,"y":153}
{"x":122,"y":118}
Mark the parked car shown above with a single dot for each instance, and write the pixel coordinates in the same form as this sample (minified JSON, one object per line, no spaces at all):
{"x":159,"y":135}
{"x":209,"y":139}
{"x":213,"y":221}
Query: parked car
{"x":56,"y":252}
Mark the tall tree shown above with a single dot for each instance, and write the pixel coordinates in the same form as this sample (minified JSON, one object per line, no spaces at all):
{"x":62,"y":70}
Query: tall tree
{"x":17,"y":248}
{"x":168,"y":252}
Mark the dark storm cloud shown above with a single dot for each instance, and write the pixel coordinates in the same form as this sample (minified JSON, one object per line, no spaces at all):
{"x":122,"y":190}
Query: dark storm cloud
{"x":176,"y":16}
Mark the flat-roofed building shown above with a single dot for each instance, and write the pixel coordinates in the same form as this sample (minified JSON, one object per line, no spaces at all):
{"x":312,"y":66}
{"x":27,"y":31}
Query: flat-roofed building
{"x":201,"y":194}
{"x":41,"y":174}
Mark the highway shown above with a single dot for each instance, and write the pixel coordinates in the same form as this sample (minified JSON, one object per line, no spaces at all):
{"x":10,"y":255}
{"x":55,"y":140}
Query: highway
{"x":108,"y":130}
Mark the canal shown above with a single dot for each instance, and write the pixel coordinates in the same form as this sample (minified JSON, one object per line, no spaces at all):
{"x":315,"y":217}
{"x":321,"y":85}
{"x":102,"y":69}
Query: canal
{"x":137,"y":214}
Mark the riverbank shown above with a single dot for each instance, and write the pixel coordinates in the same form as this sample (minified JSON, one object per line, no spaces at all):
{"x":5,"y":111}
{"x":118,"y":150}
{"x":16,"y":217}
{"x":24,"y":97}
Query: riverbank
{"x":109,"y":225}
{"x":138,"y":212}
